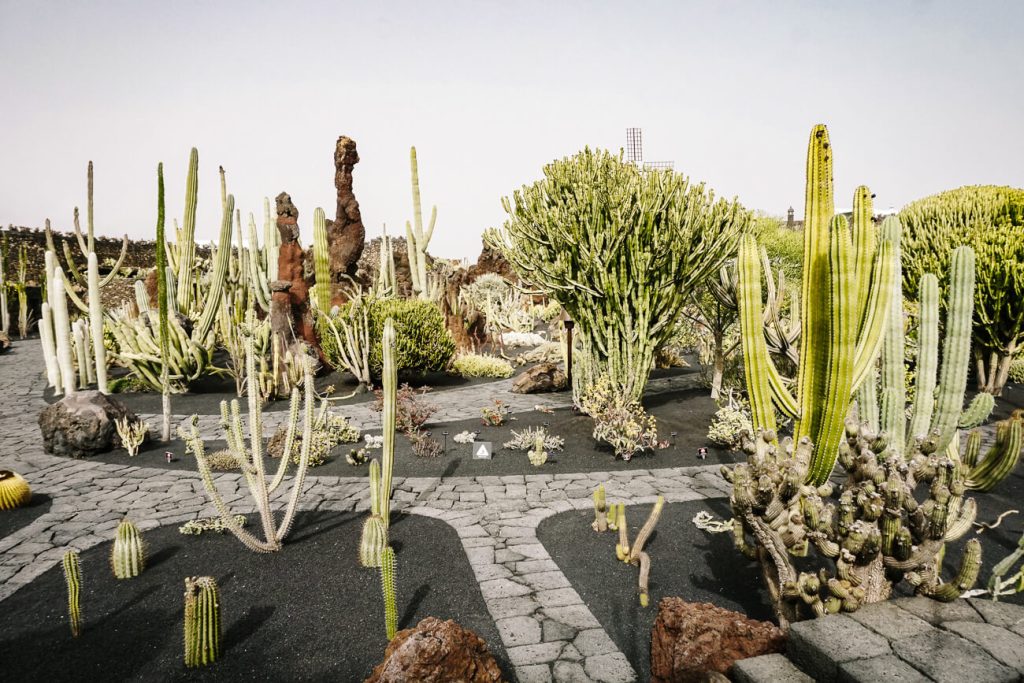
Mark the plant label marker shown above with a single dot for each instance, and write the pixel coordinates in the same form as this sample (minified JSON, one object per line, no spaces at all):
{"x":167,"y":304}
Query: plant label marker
{"x":481,"y":450}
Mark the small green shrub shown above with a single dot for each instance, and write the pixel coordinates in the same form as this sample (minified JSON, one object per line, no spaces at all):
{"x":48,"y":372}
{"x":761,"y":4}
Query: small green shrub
{"x":482,"y":365}
{"x":422,"y":341}
{"x":729,"y":423}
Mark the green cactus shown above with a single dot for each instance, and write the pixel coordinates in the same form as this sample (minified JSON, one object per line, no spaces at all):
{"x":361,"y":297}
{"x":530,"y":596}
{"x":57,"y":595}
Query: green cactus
{"x":538,"y":456}
{"x":14,"y":490}
{"x":387,"y":584}
{"x":372,"y":541}
{"x":202,"y":621}
{"x":73,"y":579}
{"x":186,"y":238}
{"x":416,"y":238}
{"x":128,"y":554}
{"x":1000,"y":460}
{"x":622,"y":547}
{"x":600,"y":510}
{"x":645,"y":531}
{"x":321,"y":262}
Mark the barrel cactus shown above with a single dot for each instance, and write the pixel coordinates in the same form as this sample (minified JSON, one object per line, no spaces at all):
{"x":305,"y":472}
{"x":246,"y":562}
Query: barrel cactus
{"x":128,"y":555}
{"x":14,"y":490}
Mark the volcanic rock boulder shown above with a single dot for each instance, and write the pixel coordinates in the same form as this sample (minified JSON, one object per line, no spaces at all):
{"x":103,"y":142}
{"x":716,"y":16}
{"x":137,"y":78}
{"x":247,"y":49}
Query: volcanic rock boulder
{"x":539,"y":379}
{"x":692,"y":639}
{"x":436,"y":651}
{"x":5,"y":342}
{"x":345,"y":234}
{"x":82,"y":424}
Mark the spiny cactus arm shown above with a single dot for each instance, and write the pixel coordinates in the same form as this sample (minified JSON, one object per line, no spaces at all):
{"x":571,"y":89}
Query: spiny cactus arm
{"x":389,"y":381}
{"x":927,"y":358}
{"x":600,"y":510}
{"x":963,"y":522}
{"x":622,"y":547}
{"x":257,"y":273}
{"x":258,"y":481}
{"x":964,"y":580}
{"x":186,"y":238}
{"x":309,"y":394}
{"x":977,"y":411}
{"x":834,"y":400}
{"x":387,"y":582}
{"x":117,"y":264}
{"x":289,"y":440}
{"x":196,"y":445}
{"x":212,"y":304}
{"x":96,"y":324}
{"x":875,"y":313}
{"x":956,"y":346}
{"x":972,"y":449}
{"x":202,"y":621}
{"x":646,"y":530}
{"x":864,"y":245}
{"x":73,"y":580}
{"x":755,"y":353}
{"x":375,"y":487}
{"x":644,"y":561}
{"x":321,"y":262}
{"x":999,"y":461}
{"x":372,"y":541}
{"x":62,"y":331}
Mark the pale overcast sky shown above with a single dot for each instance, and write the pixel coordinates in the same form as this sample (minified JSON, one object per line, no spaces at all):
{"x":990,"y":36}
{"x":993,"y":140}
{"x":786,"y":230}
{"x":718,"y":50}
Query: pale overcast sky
{"x":918,"y":96}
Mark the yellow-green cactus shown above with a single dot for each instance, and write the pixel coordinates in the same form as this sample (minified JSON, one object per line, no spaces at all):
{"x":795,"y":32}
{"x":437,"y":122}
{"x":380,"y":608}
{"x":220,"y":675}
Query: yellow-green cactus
{"x":128,"y":554}
{"x":14,"y":490}
{"x":202,"y":621}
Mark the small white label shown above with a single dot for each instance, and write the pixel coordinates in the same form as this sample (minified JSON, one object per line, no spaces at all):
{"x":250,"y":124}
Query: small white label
{"x":481,"y":450}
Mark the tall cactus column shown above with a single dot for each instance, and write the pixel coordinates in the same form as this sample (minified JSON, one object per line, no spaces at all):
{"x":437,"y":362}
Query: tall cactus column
{"x":416,"y":238}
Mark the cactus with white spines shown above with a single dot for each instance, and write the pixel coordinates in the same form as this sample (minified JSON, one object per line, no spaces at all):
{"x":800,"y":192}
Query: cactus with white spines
{"x":387,"y":582}
{"x":202,"y":621}
{"x":128,"y":554}
{"x":416,"y":237}
{"x":73,"y":580}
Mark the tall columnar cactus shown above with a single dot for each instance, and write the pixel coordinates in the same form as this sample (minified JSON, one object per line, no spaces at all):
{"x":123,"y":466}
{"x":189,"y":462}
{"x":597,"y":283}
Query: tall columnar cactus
{"x":202,"y":621}
{"x":375,"y":529}
{"x":163,"y":305}
{"x":847,"y":289}
{"x":128,"y":554}
{"x":386,"y":267}
{"x":416,"y":238}
{"x":372,"y":541}
{"x":96,"y":322}
{"x":186,"y":237}
{"x":387,"y":583}
{"x":5,"y":313}
{"x":263,"y":260}
{"x":73,"y":580}
{"x":14,"y":490}
{"x":321,"y":262}
{"x":62,"y":330}
{"x":251,"y":460}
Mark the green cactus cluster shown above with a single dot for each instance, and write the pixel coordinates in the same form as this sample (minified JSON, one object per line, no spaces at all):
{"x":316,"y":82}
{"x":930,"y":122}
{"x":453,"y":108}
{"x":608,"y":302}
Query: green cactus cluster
{"x":613,"y":518}
{"x":73,"y":580}
{"x":128,"y":554}
{"x":202,"y":621}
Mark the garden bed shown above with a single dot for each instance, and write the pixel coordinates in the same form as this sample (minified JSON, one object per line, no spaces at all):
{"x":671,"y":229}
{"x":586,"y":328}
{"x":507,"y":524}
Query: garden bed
{"x":308,"y":612}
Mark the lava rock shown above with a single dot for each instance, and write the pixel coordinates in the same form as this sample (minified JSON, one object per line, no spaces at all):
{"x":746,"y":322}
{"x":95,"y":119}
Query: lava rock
{"x":436,"y":651}
{"x":540,"y":378}
{"x":5,"y":342}
{"x":692,"y":639}
{"x":82,"y":424}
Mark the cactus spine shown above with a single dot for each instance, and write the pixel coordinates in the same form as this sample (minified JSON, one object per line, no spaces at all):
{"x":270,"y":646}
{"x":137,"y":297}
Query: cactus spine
{"x":14,"y":490}
{"x":128,"y":555}
{"x":73,"y":579}
{"x":321,"y":262}
{"x":841,"y":331}
{"x":416,"y":239}
{"x":387,"y":584}
{"x":202,"y":621}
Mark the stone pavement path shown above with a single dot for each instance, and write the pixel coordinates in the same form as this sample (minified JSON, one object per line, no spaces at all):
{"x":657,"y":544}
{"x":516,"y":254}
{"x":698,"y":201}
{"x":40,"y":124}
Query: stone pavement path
{"x":548,"y":632}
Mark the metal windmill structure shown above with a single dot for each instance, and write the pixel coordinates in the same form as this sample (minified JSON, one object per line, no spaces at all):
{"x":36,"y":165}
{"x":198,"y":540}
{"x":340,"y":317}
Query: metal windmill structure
{"x":635,"y":152}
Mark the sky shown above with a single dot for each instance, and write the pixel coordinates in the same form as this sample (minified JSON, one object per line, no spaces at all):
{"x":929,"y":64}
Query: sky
{"x":919,"y":97}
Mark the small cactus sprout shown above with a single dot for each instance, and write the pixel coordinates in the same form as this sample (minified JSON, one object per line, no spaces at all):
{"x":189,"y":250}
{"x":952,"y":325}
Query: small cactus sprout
{"x":202,"y":621}
{"x":73,"y":578}
{"x":622,"y":548}
{"x":538,"y":456}
{"x":613,"y":516}
{"x":387,"y":584}
{"x":14,"y":490}
{"x":373,"y":541}
{"x":128,"y":556}
{"x":600,"y":510}
{"x":132,"y":434}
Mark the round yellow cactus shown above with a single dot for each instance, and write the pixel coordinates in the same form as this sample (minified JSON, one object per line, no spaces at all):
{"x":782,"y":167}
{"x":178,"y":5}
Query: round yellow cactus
{"x":14,"y":490}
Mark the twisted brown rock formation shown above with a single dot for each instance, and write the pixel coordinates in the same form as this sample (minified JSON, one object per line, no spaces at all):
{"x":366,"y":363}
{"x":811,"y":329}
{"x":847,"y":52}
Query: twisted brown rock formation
{"x":291,"y":304}
{"x":345,"y":234}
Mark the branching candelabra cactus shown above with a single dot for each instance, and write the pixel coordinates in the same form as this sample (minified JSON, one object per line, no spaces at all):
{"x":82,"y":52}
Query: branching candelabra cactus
{"x":202,"y":621}
{"x":251,"y":461}
{"x":128,"y":554}
{"x":416,"y":238}
{"x":73,"y":581}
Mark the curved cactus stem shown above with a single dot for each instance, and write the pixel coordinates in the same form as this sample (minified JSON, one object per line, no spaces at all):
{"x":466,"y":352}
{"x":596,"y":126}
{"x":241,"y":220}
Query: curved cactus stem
{"x":978,"y":411}
{"x":73,"y":580}
{"x":646,"y":530}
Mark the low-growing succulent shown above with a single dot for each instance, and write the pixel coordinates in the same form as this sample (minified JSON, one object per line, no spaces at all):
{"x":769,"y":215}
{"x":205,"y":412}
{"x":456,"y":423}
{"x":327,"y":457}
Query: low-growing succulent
{"x":216,"y":524}
{"x":618,"y":421}
{"x":374,"y":442}
{"x":465,"y":437}
{"x":537,"y":455}
{"x":425,"y":446}
{"x":497,"y":415}
{"x":482,"y":365}
{"x":14,"y":490}
{"x":526,"y":439}
{"x":357,"y":456}
{"x":132,"y":434}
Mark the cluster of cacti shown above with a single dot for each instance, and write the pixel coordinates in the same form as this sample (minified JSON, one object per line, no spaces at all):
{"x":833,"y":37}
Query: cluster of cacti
{"x":345,"y":336}
{"x":202,"y":621}
{"x":132,"y":434}
{"x":983,"y":473}
{"x":251,"y":460}
{"x":613,"y":518}
{"x":991,"y":220}
{"x":525,"y":439}
{"x":386,"y":268}
{"x":621,"y":249}
{"x":422,"y":340}
{"x":73,"y":581}
{"x":482,"y":365}
{"x":416,"y":239}
{"x":538,"y":455}
{"x":14,"y":490}
{"x":128,"y":554}
{"x":20,"y":287}
{"x":263,"y":260}
{"x":877,"y":533}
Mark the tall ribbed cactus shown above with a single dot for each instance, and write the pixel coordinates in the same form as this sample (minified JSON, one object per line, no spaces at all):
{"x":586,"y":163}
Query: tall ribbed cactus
{"x":263,"y":260}
{"x":73,"y":580}
{"x":186,"y":237}
{"x":847,"y":289}
{"x":163,"y":305}
{"x":375,"y":530}
{"x":321,"y":262}
{"x":416,"y":238}
{"x":387,"y":583}
{"x":600,"y":509}
{"x":128,"y":554}
{"x":202,"y":621}
{"x":386,"y":267}
{"x":5,"y":312}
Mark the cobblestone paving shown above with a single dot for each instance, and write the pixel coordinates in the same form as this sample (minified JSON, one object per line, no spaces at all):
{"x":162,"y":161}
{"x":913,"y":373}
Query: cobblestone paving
{"x":547,"y":630}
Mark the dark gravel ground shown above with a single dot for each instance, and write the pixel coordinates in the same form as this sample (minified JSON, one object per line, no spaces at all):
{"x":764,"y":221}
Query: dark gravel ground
{"x":685,"y":561}
{"x":12,"y":520}
{"x":686,"y":412}
{"x":306,"y":613}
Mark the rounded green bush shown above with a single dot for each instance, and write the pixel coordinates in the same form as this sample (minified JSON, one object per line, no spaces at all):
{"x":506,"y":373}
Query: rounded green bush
{"x":423,"y":343}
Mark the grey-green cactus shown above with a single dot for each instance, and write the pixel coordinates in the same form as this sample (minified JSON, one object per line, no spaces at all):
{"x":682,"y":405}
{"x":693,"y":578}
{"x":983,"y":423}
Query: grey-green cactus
{"x":600,"y":510}
{"x":372,"y":541}
{"x":202,"y":621}
{"x":321,"y":294}
{"x":416,"y":238}
{"x":73,"y":580}
{"x":128,"y":554}
{"x":387,"y":583}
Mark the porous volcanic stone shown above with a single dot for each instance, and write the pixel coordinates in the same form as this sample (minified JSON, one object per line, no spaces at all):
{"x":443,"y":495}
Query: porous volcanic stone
{"x":82,"y":424}
{"x":540,"y":378}
{"x":436,"y":651}
{"x":690,"y":639}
